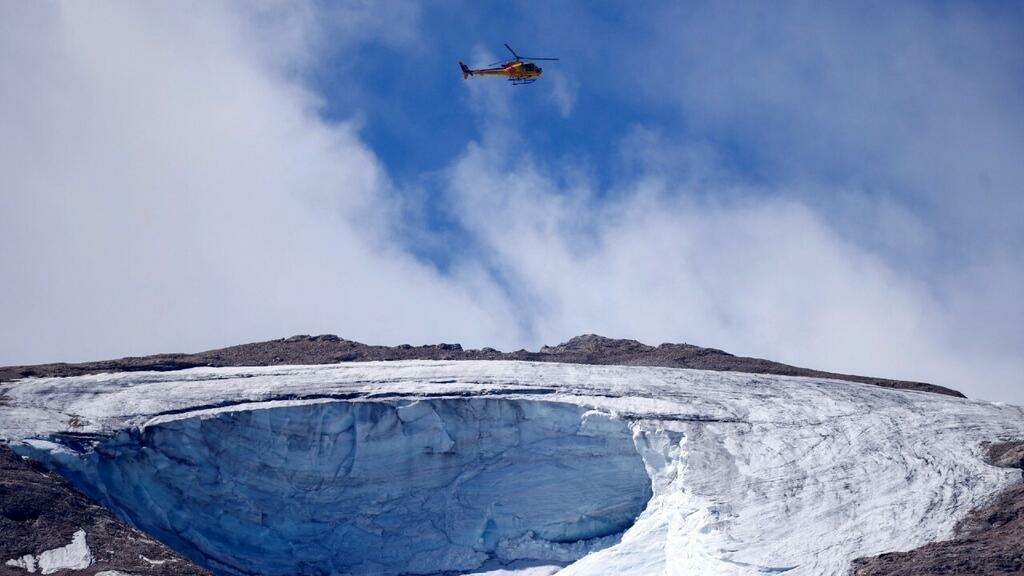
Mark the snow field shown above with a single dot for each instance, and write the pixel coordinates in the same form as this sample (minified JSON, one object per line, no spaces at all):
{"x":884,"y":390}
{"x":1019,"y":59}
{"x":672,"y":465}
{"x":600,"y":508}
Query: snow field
{"x":74,"y":556}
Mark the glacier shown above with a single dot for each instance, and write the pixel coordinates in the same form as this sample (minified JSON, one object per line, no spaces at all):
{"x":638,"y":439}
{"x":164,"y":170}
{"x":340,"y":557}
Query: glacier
{"x":433,"y":467}
{"x":374,"y":487}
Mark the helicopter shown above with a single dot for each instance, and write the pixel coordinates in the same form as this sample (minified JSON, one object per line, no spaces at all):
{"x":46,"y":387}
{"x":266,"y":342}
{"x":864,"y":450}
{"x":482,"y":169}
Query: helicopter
{"x":518,"y":70}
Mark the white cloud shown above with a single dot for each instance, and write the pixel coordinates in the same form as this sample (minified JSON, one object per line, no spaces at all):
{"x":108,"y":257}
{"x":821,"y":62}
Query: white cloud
{"x":911,"y":98}
{"x":563,"y":91}
{"x":167,"y":186}
{"x":737,"y":269}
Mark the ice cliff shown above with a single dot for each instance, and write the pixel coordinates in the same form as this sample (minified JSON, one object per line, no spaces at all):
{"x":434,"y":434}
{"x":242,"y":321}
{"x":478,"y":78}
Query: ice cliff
{"x":374,"y":487}
{"x":427,"y":467}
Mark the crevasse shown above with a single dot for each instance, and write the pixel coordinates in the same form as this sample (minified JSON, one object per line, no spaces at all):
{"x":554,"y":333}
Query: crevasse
{"x":402,"y":487}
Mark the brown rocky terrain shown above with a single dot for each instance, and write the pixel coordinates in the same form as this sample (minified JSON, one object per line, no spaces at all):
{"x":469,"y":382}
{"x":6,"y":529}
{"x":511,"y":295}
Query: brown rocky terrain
{"x":41,"y":511}
{"x":328,"y":349}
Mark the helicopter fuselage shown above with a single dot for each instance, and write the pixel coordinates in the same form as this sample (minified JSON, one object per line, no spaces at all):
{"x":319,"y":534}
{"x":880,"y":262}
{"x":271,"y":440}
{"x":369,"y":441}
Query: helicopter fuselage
{"x":513,"y":69}
{"x":519,"y":70}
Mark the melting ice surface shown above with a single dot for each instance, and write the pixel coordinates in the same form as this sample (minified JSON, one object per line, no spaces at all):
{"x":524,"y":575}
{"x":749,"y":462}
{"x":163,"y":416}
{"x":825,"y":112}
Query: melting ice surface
{"x":406,"y":487}
{"x":439,"y":467}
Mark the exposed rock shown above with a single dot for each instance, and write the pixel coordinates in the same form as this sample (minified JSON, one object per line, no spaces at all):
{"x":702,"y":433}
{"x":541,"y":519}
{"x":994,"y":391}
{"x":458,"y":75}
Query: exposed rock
{"x":1007,"y":454}
{"x":329,"y":349}
{"x":594,"y":344}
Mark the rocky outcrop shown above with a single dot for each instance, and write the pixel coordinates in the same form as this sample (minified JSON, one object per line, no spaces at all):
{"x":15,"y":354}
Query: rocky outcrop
{"x":329,"y":349}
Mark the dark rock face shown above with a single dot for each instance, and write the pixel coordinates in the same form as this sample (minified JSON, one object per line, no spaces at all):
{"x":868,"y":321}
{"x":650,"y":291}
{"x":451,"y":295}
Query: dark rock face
{"x":990,"y":540}
{"x":330,"y":349}
{"x":41,"y":511}
{"x":1007,"y":455}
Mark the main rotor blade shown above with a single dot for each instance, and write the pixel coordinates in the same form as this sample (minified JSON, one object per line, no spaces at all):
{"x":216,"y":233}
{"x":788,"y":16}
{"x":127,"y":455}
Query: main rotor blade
{"x":512,"y":51}
{"x":527,"y":58}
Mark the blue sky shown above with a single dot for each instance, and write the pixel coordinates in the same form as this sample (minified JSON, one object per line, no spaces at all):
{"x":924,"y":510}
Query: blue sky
{"x":830,"y":186}
{"x":772,"y":96}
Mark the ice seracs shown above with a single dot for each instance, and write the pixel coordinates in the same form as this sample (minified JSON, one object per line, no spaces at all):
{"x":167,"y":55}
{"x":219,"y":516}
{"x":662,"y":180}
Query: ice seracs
{"x":601,"y":469}
{"x":392,"y":487}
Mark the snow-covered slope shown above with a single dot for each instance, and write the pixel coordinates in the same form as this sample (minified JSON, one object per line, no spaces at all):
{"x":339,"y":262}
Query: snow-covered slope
{"x":422,"y":467}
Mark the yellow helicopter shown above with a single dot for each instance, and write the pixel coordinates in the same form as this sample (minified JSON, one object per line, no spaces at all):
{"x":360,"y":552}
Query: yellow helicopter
{"x":517,"y":70}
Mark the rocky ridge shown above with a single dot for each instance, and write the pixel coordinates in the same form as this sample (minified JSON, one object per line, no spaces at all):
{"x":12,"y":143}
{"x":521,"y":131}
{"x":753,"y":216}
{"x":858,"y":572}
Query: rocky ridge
{"x":330,"y":349}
